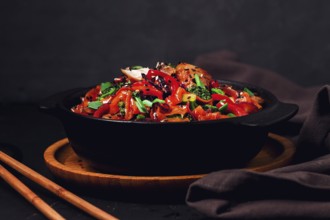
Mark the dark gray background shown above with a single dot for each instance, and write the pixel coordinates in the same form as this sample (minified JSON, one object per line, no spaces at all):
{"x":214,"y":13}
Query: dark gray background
{"x":49,"y":46}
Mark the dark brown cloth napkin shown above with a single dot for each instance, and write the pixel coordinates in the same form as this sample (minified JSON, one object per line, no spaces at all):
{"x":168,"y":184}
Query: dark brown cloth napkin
{"x":297,"y":191}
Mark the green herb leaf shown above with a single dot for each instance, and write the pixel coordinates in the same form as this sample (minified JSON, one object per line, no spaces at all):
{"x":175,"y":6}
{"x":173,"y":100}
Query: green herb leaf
{"x":105,"y":86}
{"x":110,"y":92}
{"x":94,"y":105}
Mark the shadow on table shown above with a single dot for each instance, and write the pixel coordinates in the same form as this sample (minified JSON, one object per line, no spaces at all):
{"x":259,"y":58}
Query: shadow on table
{"x":155,"y":196}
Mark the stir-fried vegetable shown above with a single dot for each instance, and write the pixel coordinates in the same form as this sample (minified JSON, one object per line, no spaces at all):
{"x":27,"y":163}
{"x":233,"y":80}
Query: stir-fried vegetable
{"x":167,"y":93}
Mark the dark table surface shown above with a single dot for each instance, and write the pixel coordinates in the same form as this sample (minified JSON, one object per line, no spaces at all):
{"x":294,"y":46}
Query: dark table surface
{"x":23,"y":127}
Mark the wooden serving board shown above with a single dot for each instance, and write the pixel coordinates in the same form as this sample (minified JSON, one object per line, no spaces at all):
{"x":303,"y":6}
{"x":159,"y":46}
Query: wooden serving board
{"x":66,"y":165}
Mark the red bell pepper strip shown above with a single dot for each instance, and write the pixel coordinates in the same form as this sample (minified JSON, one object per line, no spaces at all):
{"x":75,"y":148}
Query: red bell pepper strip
{"x":120,"y":96}
{"x":158,"y":112}
{"x":103,"y":109}
{"x":214,"y":84}
{"x":248,"y":107}
{"x":128,"y":109}
{"x":176,"y":91}
{"x":219,"y":97}
{"x":200,"y":114}
{"x":230,"y":92}
{"x":236,"y":109}
{"x":171,"y":81}
{"x":205,"y":101}
{"x":147,"y":89}
{"x":91,"y":95}
{"x":80,"y":109}
{"x":124,"y":95}
{"x":176,"y":98}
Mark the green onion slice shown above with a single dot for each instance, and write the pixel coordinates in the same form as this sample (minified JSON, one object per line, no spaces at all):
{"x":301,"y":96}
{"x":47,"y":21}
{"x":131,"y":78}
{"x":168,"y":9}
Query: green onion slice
{"x":217,"y":91}
{"x":248,"y":91}
{"x":198,"y":81}
{"x":231,"y":115}
{"x":136,"y":67}
{"x":148,"y":103}
{"x":140,"y":105}
{"x":157,"y":100}
{"x":223,"y":107}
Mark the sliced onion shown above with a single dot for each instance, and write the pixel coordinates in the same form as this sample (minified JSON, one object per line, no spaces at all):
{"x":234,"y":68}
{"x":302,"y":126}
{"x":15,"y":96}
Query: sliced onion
{"x":135,"y":75}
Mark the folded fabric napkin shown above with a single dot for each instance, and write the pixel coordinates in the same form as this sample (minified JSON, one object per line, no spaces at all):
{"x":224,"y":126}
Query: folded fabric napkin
{"x":297,"y":191}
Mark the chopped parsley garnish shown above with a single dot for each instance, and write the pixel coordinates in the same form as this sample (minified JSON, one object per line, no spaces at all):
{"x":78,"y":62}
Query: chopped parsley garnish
{"x":201,"y":92}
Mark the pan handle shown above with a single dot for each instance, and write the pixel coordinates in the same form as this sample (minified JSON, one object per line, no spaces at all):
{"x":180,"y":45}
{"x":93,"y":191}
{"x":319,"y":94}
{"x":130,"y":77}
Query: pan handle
{"x":278,"y":113}
{"x":50,"y":105}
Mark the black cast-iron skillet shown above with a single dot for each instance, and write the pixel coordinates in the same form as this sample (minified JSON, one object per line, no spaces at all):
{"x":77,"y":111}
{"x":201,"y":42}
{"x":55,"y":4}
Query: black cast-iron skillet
{"x":172,"y":148}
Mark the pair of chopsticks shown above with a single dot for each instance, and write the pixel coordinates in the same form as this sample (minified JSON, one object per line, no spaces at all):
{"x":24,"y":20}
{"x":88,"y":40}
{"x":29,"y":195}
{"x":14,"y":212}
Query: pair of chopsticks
{"x":35,"y":200}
